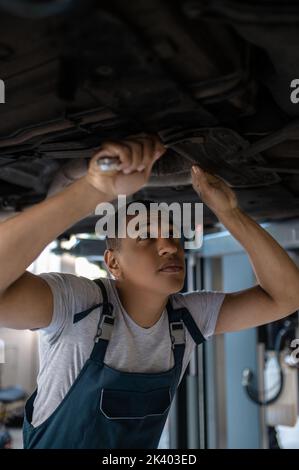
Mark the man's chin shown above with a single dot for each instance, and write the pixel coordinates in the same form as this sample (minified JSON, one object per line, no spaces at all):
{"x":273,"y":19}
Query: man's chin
{"x":175,"y":286}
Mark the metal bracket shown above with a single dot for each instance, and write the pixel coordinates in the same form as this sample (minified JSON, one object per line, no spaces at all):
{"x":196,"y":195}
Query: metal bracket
{"x":177,"y":332}
{"x":105,"y":328}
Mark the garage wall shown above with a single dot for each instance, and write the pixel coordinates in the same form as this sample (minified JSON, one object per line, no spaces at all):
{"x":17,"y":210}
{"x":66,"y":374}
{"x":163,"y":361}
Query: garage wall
{"x":243,"y":419}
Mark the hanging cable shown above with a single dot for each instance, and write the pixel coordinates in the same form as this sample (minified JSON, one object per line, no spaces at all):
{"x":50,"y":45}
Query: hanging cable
{"x":253,"y":393}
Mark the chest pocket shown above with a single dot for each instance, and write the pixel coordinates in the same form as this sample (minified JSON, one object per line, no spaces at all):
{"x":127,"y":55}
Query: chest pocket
{"x":126,"y":404}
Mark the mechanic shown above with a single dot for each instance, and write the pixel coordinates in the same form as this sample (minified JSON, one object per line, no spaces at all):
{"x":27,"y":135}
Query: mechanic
{"x":112,"y":352}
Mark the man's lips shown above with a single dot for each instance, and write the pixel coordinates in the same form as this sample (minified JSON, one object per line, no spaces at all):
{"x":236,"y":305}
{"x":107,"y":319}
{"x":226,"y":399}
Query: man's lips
{"x":171,"y":268}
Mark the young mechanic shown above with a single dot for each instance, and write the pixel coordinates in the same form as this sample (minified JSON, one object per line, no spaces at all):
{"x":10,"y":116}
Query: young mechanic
{"x":112,"y":354}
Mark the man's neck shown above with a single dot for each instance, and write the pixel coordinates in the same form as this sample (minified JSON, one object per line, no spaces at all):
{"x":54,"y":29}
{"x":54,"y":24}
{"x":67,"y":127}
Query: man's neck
{"x":145,"y":308}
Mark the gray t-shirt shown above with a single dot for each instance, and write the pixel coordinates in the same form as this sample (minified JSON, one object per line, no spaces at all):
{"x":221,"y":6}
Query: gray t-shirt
{"x":65,"y":346}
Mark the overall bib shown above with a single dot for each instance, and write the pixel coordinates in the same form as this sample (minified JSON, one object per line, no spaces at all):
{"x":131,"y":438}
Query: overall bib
{"x":109,"y":409}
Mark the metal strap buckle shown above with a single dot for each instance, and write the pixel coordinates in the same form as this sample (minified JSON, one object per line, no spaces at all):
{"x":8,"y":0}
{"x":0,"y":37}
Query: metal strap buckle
{"x":105,"y":328}
{"x":177,"y":332}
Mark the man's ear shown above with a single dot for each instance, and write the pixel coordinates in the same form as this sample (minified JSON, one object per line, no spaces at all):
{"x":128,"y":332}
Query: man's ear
{"x":112,"y":263}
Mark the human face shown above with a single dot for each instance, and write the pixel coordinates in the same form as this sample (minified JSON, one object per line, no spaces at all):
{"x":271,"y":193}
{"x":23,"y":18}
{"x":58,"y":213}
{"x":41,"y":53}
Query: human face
{"x":153,"y":263}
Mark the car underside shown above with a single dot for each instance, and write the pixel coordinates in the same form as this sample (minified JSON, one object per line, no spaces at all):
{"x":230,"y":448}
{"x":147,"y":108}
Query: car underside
{"x":212,"y":78}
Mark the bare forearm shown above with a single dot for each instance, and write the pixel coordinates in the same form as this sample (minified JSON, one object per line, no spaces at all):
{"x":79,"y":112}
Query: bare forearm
{"x":274,"y":269}
{"x":24,"y":236}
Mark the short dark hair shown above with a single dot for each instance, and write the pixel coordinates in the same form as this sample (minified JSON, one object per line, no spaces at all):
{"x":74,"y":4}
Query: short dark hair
{"x":114,"y":243}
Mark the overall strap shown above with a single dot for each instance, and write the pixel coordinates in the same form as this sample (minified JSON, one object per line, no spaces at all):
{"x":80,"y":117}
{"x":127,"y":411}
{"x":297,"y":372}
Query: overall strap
{"x":179,"y":319}
{"x":100,"y":283}
{"x":177,"y":336}
{"x":105,"y":326}
{"x":79,"y":316}
{"x":192,"y":327}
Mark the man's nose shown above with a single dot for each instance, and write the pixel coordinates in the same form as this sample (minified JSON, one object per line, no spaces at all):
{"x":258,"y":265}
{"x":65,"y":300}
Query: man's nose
{"x":166,"y":245}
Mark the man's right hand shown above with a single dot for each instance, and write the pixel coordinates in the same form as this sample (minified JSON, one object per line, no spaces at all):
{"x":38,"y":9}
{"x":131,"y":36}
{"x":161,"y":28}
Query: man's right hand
{"x":26,"y":300}
{"x":137,"y":157}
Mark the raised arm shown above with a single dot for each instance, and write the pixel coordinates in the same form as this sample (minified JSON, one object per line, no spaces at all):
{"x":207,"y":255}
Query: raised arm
{"x":25,"y":299}
{"x":277,"y":292}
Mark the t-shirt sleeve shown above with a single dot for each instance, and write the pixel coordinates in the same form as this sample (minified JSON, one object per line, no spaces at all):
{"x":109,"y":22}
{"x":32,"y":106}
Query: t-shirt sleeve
{"x":204,"y":307}
{"x":71,"y":294}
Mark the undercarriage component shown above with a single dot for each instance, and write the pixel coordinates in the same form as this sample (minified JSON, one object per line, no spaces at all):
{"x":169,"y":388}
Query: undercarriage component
{"x":217,"y":150}
{"x":213,"y":78}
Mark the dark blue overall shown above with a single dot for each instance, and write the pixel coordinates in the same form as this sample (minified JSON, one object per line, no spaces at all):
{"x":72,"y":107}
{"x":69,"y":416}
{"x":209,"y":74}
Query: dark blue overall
{"x":109,"y":409}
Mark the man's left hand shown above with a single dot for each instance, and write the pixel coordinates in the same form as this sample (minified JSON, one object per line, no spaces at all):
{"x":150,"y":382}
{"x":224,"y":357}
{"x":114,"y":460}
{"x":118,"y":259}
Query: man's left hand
{"x":213,"y":191}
